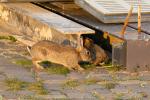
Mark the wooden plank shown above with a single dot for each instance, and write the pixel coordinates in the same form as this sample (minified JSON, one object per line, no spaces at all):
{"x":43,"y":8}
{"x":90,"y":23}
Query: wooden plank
{"x":115,"y":11}
{"x":87,"y":19}
{"x":40,"y":24}
{"x":54,"y":21}
{"x":32,"y":0}
{"x":65,"y":5}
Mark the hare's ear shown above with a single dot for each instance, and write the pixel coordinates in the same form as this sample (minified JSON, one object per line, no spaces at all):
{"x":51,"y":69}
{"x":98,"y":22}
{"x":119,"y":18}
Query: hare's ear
{"x":88,"y":42}
{"x":79,"y":43}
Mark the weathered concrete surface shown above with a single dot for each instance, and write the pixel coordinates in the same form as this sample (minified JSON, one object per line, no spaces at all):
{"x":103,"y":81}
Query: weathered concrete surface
{"x":127,"y":86}
{"x":39,"y":23}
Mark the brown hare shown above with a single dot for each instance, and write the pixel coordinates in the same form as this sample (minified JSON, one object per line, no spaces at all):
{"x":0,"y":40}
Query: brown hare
{"x":60,"y":54}
{"x":98,"y":54}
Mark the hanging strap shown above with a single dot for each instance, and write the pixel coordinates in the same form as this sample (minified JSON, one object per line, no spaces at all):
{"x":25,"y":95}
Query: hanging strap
{"x":126,"y":21}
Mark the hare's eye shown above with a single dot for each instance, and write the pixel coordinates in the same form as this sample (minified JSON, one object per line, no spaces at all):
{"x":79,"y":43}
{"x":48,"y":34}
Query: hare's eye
{"x":88,"y":52}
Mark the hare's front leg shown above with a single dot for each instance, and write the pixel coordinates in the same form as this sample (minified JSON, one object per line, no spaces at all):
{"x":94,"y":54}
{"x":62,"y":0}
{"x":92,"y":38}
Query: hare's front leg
{"x":36,"y":63}
{"x":79,"y":68}
{"x":96,"y":62}
{"x":37,"y":68}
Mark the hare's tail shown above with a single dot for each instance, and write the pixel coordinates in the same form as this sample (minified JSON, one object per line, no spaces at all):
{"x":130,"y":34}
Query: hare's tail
{"x":29,"y":49}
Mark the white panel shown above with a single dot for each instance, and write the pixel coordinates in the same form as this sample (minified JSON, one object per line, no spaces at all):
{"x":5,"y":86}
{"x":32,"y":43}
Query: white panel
{"x":115,"y":11}
{"x":118,"y":6}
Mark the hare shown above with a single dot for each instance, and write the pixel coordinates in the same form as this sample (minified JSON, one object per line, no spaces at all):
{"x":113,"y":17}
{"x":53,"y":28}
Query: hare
{"x":61,"y":54}
{"x":98,"y":54}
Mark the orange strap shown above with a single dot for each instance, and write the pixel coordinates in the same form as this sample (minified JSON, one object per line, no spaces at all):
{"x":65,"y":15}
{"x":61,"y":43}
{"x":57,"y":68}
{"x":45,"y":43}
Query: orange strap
{"x":139,"y":18}
{"x":126,"y":21}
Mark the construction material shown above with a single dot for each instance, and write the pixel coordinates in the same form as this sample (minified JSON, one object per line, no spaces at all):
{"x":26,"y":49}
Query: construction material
{"x":129,"y":52}
{"x":40,"y":24}
{"x":84,"y":18}
{"x":32,"y":0}
{"x":115,"y":11}
{"x":134,"y":55}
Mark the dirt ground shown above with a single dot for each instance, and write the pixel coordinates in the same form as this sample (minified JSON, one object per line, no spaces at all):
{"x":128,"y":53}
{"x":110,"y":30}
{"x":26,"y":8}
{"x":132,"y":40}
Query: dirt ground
{"x":17,"y":81}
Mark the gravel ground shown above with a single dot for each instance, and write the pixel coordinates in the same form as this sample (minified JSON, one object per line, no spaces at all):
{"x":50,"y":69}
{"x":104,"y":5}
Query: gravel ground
{"x":96,"y":84}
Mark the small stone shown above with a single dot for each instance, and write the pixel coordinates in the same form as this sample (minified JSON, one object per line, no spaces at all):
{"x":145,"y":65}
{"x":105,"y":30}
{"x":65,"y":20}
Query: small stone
{"x":53,"y":87}
{"x":52,"y":78}
{"x":75,"y":76}
{"x":25,"y":92}
{"x":9,"y":95}
{"x":100,"y":77}
{"x":77,"y":95}
{"x":89,"y":88}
